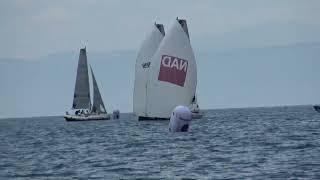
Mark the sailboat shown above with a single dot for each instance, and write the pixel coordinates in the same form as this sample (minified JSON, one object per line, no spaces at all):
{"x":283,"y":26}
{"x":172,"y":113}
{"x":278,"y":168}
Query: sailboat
{"x":317,"y":108}
{"x":195,"y":109}
{"x":82,"y":109}
{"x":143,"y":61}
{"x":172,"y":75}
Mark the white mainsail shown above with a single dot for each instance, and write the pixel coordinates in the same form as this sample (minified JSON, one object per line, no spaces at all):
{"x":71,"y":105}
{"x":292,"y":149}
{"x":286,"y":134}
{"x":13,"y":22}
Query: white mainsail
{"x":147,"y":50}
{"x":81,"y":97}
{"x":173,"y":73}
{"x":97,"y":105}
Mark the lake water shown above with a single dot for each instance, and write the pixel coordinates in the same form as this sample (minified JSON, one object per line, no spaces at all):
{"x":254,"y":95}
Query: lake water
{"x":251,"y":143}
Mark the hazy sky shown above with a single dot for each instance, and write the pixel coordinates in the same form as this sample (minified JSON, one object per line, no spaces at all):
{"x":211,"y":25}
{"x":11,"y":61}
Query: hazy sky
{"x":35,"y":28}
{"x":227,"y":76}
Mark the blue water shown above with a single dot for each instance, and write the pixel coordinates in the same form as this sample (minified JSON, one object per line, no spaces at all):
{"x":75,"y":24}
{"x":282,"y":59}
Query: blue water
{"x":253,"y":143}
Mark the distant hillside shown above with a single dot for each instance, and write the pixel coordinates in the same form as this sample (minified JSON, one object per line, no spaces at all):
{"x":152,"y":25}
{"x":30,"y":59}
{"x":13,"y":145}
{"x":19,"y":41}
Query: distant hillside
{"x":235,"y":78}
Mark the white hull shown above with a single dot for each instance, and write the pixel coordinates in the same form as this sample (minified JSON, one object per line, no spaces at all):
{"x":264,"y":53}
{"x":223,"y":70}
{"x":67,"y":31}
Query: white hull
{"x":90,"y":117}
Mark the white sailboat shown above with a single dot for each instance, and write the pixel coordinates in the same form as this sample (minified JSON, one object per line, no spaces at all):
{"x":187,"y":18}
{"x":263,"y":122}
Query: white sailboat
{"x":172,"y":76}
{"x":143,"y":61}
{"x":195,"y":109}
{"x":82,"y":109}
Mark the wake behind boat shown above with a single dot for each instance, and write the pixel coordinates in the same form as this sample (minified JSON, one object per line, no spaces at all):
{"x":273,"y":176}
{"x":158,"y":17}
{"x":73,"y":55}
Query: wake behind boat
{"x":82,"y":109}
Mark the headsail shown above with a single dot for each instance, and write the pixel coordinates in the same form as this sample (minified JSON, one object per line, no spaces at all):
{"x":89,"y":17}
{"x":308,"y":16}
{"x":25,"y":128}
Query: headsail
{"x":81,"y":97}
{"x":173,"y":73}
{"x":98,"y":106}
{"x":147,"y":50}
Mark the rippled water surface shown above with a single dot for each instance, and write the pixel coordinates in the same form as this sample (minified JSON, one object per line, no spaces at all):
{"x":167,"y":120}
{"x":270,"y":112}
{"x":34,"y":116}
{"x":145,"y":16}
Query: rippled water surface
{"x":257,"y":143}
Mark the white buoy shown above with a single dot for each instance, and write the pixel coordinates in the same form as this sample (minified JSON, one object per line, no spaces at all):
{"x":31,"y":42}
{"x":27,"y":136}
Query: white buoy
{"x":180,"y":119}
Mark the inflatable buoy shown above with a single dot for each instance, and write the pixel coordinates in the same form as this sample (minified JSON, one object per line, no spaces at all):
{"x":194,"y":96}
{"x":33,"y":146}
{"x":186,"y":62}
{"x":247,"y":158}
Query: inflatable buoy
{"x":180,"y":119}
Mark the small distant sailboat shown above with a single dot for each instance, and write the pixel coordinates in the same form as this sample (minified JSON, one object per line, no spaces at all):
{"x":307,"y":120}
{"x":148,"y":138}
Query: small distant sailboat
{"x":195,"y":109}
{"x":171,"y":79}
{"x":82,"y":109}
{"x":317,"y":108}
{"x":116,"y":114}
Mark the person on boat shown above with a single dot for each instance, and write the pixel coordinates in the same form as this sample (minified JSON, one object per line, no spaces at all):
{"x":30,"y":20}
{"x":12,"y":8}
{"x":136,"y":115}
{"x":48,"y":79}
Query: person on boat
{"x":94,"y":110}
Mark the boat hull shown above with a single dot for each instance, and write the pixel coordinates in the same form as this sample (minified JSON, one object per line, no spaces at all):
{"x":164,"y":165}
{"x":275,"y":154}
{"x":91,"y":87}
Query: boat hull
{"x":197,"y":115}
{"x":145,"y":118}
{"x":87,"y":118}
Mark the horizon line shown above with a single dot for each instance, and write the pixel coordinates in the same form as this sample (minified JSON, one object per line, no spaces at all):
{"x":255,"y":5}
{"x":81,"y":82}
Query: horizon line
{"x":221,"y":108}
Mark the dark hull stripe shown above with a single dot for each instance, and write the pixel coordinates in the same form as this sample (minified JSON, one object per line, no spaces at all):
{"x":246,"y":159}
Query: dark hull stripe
{"x":143,"y":118}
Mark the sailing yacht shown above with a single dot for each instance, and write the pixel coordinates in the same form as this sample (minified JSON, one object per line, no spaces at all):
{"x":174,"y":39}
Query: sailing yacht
{"x":316,"y":108}
{"x":171,"y":78}
{"x":82,"y":109}
{"x":195,"y":109}
{"x":143,"y":61}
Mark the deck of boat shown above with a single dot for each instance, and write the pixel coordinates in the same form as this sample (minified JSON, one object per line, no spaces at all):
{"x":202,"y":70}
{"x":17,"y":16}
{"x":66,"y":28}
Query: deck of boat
{"x":98,"y":117}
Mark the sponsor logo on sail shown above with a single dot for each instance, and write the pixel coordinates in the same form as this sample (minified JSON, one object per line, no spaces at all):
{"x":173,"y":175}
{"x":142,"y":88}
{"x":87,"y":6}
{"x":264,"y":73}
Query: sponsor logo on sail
{"x":173,"y":70}
{"x":145,"y":65}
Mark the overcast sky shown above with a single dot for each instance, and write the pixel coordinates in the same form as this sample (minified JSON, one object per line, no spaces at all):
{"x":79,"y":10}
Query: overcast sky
{"x":35,"y":28}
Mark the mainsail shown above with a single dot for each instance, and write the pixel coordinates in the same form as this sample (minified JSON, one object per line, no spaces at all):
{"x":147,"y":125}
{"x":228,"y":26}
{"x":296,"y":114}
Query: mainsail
{"x":98,"y":106}
{"x":173,"y":73}
{"x":147,"y":50}
{"x":81,"y":97}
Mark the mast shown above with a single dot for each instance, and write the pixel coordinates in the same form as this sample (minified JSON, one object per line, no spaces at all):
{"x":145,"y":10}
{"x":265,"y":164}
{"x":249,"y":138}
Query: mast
{"x":81,"y":97}
{"x":98,"y":105}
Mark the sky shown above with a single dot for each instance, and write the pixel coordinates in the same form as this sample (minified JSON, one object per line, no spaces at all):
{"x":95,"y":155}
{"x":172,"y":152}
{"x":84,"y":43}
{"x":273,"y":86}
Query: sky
{"x":33,"y":30}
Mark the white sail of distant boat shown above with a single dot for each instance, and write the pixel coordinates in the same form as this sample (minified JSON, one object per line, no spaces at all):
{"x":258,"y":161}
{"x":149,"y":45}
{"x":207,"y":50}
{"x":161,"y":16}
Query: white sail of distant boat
{"x":143,"y":61}
{"x":173,"y":73}
{"x":81,"y":97}
{"x":82,"y":110}
{"x":97,"y":105}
